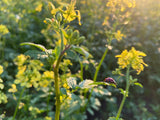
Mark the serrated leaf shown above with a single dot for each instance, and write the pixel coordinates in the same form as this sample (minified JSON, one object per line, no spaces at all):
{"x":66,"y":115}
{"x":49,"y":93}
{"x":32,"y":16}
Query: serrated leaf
{"x":138,"y":84}
{"x":72,"y":82}
{"x":72,"y":55}
{"x":35,"y":45}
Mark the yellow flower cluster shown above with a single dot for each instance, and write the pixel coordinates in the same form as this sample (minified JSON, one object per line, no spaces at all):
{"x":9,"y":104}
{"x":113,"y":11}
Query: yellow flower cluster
{"x":29,"y":74}
{"x":132,"y":58}
{"x":47,"y":78}
{"x":121,"y":4}
{"x":3,"y":30}
{"x":69,"y":14}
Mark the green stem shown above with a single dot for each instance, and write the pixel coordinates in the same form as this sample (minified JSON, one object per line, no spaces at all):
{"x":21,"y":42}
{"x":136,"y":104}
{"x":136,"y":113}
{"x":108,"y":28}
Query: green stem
{"x":20,"y":97}
{"x":57,"y":89}
{"x":99,"y":65}
{"x":124,"y":95}
{"x":61,"y":33}
{"x":97,"y":70}
{"x":57,"y":94}
{"x":48,"y":99}
{"x":81,"y":73}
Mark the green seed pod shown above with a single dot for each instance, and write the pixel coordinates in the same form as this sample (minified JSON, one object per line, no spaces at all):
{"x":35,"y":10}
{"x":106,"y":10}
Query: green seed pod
{"x":81,"y":39}
{"x":59,"y":17}
{"x":69,"y":32}
{"x":75,"y":34}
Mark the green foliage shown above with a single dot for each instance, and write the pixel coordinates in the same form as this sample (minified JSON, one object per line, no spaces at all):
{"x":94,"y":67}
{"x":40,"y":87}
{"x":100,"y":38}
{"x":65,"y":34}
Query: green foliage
{"x":46,"y":30}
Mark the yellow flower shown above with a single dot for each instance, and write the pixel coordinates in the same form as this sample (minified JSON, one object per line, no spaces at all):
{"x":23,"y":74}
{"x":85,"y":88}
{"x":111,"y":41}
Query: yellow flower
{"x":48,"y":74}
{"x":21,"y":59}
{"x":20,"y":105}
{"x":39,"y":8}
{"x":132,"y":58}
{"x":70,"y":13}
{"x":45,"y":21}
{"x":13,"y":89}
{"x":3,"y":30}
{"x":119,"y":35}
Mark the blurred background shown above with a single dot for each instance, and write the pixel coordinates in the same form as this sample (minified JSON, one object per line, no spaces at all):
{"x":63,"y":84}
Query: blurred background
{"x":140,"y":24}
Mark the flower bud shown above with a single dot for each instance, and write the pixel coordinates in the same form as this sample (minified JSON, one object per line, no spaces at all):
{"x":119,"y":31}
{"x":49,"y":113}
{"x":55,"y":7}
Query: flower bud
{"x":81,"y":39}
{"x":59,"y":17}
{"x":75,"y":34}
{"x":69,"y":32}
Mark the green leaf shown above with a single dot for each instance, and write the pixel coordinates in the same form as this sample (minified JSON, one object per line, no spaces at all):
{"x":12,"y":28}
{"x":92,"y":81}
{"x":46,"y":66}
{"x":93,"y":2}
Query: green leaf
{"x":86,"y":84}
{"x":72,"y":55}
{"x":72,"y":82}
{"x":35,"y":45}
{"x":63,"y":91}
{"x":36,"y":54}
{"x":81,"y":51}
{"x":90,"y":111}
{"x":138,"y":84}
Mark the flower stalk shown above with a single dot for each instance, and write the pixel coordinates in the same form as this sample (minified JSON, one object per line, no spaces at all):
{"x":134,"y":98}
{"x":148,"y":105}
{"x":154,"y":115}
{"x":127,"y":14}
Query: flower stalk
{"x":20,"y":97}
{"x":125,"y":94}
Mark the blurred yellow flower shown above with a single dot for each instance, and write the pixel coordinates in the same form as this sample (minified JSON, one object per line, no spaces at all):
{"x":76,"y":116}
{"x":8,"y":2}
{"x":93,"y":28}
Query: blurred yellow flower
{"x":119,"y":35}
{"x":1,"y":69}
{"x":13,"y":89}
{"x":70,"y":13}
{"x":3,"y":30}
{"x":132,"y":58}
{"x":48,"y":74}
{"x":39,"y":7}
{"x":20,"y":105}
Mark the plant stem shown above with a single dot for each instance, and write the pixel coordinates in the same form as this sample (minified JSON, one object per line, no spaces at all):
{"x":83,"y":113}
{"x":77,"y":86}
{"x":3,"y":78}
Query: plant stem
{"x":57,"y":89}
{"x":61,"y":39}
{"x":48,"y":99}
{"x":125,"y":94}
{"x":99,"y":65}
{"x":20,"y":97}
{"x":57,"y":94}
{"x":97,"y":70}
{"x":81,"y":73}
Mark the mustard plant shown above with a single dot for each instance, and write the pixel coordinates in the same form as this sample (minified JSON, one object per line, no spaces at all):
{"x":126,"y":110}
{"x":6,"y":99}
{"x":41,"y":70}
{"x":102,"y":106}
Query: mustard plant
{"x":67,"y":39}
{"x":132,"y":59}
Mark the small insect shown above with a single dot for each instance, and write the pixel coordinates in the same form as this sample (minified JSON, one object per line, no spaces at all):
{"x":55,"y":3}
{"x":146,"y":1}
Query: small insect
{"x":110,"y":80}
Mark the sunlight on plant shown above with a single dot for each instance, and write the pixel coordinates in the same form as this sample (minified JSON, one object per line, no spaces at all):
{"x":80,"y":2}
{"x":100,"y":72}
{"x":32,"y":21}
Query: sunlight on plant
{"x":133,"y":58}
{"x":129,"y":59}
